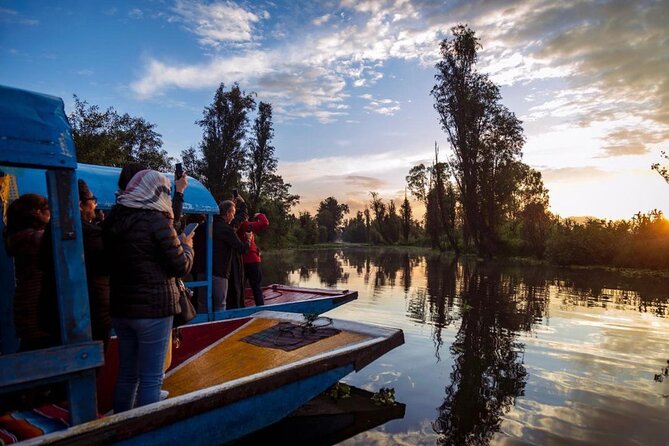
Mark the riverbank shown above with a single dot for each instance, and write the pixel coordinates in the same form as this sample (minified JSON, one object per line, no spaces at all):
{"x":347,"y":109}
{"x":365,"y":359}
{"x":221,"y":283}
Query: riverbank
{"x":625,"y":271}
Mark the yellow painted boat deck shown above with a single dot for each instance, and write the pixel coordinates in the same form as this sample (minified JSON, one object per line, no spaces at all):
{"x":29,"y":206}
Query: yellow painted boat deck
{"x":231,"y":358}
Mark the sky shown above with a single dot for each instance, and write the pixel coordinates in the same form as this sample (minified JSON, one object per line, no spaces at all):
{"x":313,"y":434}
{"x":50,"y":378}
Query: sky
{"x":350,"y":81}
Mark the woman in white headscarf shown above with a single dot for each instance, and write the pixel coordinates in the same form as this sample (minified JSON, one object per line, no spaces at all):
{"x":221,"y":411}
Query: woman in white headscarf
{"x":146,"y":256}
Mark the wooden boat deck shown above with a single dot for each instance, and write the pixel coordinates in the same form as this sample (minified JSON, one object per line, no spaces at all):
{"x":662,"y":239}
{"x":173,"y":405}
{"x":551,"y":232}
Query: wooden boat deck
{"x":231,"y":358}
{"x":226,"y":389}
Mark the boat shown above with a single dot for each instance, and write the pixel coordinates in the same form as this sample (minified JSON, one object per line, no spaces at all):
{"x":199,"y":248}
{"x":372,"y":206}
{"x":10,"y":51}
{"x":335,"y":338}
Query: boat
{"x":228,"y":378}
{"x":222,"y":388}
{"x":326,"y":421}
{"x":197,"y":201}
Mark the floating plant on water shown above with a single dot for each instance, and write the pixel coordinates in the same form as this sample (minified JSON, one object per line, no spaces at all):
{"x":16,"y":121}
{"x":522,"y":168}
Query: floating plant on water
{"x":384,"y":397}
{"x":339,"y":391}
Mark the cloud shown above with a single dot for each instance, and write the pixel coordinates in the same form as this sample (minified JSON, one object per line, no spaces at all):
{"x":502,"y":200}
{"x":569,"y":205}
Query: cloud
{"x":135,"y":14}
{"x":308,"y":74}
{"x":364,"y":182}
{"x":573,"y":174}
{"x":608,"y":59}
{"x":610,"y":55}
{"x":12,"y":16}
{"x":217,"y":23}
{"x":349,"y":178}
{"x":318,"y":21}
{"x":387,"y":107}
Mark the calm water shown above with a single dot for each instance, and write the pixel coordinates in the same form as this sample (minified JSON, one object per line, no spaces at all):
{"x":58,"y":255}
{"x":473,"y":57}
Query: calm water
{"x":502,"y":353}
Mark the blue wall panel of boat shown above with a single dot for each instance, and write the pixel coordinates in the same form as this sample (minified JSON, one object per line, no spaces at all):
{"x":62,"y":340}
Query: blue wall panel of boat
{"x":235,"y":420}
{"x":103,"y":182}
{"x":34,"y":130}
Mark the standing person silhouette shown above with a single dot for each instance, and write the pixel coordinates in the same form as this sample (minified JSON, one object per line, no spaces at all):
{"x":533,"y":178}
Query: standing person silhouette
{"x":146,"y":256}
{"x":227,"y":279}
{"x":252,"y":271}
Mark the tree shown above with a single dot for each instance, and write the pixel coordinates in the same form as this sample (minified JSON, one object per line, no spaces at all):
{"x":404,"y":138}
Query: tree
{"x":386,"y":221}
{"x":110,"y":139}
{"x":193,"y":165}
{"x":330,"y":215}
{"x":662,"y":170}
{"x":485,"y":137}
{"x":224,"y":126}
{"x":355,"y":230}
{"x":307,"y":230}
{"x":276,"y":202}
{"x":431,"y":186}
{"x":261,"y":161}
{"x":405,"y":213}
{"x":444,"y":199}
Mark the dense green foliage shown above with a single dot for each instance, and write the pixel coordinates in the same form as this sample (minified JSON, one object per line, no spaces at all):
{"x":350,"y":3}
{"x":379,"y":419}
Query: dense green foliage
{"x":262,"y":163}
{"x":228,"y":157}
{"x":642,"y":242}
{"x":224,"y":126}
{"x":330,"y":216}
{"x":108,"y":138}
{"x":485,"y":140}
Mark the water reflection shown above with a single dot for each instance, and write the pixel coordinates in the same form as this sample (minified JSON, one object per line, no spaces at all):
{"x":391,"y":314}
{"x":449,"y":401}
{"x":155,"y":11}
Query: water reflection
{"x":497,"y":351}
{"x":488,"y":373}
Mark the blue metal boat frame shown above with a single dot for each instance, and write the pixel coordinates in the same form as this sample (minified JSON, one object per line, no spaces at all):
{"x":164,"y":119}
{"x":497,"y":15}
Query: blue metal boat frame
{"x":34,"y":133}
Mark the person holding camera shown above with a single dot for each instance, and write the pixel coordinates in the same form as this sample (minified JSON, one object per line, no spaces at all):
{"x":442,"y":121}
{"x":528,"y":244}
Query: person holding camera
{"x":251,"y":259}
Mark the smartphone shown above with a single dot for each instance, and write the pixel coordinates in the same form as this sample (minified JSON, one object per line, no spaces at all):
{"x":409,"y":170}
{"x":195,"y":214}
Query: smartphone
{"x":235,"y":193}
{"x":178,"y":171}
{"x":190,"y":227}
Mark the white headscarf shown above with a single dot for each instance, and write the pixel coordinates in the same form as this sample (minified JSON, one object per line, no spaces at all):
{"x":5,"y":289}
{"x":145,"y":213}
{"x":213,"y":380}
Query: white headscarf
{"x":148,"y":189}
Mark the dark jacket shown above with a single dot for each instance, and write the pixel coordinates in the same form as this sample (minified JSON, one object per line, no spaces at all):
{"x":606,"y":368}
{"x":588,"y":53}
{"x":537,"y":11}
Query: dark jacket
{"x":226,"y":247}
{"x":145,"y":257}
{"x":35,"y":306}
{"x":97,"y":276}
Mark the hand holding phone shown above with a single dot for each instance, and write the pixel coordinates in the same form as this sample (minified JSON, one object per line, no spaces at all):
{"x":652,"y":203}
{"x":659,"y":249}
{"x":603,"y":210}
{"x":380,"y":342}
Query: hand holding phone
{"x":178,"y":171}
{"x":188,"y":230}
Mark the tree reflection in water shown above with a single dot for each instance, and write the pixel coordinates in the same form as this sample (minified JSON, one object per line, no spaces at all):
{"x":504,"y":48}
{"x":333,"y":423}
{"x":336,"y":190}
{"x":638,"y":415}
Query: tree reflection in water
{"x":488,"y":373}
{"x":480,"y":310}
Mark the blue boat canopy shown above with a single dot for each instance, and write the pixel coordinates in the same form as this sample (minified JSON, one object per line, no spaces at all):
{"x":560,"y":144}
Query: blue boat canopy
{"x":103,"y":181}
{"x":34,"y":130}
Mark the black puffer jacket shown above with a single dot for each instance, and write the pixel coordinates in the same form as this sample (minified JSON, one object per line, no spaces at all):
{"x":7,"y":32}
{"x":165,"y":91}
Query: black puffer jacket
{"x":145,"y":257}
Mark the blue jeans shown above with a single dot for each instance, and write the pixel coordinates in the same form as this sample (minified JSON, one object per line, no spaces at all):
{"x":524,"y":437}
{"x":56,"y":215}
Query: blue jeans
{"x":142,"y":346}
{"x":253,"y":273}
{"x":219,"y":292}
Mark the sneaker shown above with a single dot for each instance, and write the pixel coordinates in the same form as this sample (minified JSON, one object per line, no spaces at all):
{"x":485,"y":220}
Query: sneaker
{"x":164,"y":394}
